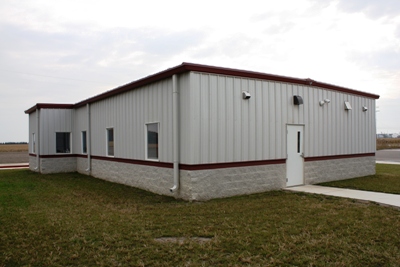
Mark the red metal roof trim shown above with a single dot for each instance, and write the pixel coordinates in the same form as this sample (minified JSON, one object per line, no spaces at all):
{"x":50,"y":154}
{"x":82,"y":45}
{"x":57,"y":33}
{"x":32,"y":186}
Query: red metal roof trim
{"x":138,"y":83}
{"x":185,"y":67}
{"x":272,"y":77}
{"x":49,"y":106}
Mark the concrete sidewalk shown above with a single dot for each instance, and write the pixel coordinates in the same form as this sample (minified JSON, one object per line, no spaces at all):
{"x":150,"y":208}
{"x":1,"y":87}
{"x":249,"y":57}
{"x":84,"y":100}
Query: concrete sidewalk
{"x":381,"y":198}
{"x":388,"y":162}
{"x":10,"y":166}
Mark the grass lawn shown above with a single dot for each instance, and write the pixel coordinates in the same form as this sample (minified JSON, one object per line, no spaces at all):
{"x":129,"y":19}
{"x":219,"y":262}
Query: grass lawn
{"x":386,"y":180}
{"x":75,"y":220}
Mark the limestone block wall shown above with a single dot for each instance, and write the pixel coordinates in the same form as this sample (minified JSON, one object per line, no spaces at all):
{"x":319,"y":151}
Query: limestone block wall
{"x":33,"y":163}
{"x":338,"y":169}
{"x":82,"y":165}
{"x":154,"y":179}
{"x":194,"y":185}
{"x":199,"y":185}
{"x":225,"y":182}
{"x":56,"y":165}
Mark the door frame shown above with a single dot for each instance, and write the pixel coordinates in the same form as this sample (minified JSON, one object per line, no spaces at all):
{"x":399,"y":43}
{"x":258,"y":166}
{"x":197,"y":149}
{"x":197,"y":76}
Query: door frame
{"x":298,"y":160}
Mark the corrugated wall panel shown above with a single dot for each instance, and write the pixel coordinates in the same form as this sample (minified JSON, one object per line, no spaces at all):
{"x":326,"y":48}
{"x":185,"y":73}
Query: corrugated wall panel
{"x":80,"y":124}
{"x":226,"y":128}
{"x":52,"y":121}
{"x":259,"y":120}
{"x":270,"y":148}
{"x":215,"y":125}
{"x":185,"y":111}
{"x":32,"y":129}
{"x":222,"y":119}
{"x":128,"y":113}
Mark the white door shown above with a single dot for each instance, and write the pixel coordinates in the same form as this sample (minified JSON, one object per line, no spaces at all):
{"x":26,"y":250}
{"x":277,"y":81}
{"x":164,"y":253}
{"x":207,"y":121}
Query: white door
{"x":295,"y":155}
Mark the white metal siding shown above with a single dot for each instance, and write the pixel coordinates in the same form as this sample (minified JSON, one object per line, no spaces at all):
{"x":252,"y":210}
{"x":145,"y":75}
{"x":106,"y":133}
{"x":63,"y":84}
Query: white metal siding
{"x":216,"y":124}
{"x":52,"y":121}
{"x":32,"y":129}
{"x":226,"y":128}
{"x":80,"y":124}
{"x":128,"y":113}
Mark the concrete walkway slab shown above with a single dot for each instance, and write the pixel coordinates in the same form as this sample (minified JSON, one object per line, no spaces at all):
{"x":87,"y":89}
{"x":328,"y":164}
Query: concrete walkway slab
{"x":388,"y":162}
{"x":382,"y":198}
{"x":10,"y":166}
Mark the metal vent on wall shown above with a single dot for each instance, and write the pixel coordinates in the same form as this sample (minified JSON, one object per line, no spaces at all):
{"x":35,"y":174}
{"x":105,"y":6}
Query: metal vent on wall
{"x":297,"y":100}
{"x":347,"y":105}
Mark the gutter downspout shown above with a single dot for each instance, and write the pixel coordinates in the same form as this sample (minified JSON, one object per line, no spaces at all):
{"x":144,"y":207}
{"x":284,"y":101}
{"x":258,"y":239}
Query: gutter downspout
{"x":38,"y":141}
{"x":88,"y":146}
{"x":175,"y":132}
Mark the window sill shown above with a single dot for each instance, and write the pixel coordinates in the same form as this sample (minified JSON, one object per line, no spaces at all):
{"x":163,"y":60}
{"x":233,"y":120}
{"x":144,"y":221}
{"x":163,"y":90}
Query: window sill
{"x":155,"y":160}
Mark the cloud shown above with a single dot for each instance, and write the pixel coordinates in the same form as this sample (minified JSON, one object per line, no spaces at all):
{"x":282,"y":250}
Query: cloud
{"x":372,"y":8}
{"x":385,"y":59}
{"x":68,"y":50}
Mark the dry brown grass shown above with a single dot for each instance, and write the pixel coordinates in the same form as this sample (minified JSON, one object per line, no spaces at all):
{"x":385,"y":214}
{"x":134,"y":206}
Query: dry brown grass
{"x":14,"y":148}
{"x":387,"y":143}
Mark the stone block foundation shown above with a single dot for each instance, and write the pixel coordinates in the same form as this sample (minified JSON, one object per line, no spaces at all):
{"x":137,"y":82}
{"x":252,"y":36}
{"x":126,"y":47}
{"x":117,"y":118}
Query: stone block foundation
{"x":53,"y":164}
{"x":205,"y":184}
{"x":321,"y":171}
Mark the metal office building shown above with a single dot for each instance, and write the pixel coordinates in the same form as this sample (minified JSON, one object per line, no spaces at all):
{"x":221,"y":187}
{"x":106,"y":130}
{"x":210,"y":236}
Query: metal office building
{"x":200,"y":132}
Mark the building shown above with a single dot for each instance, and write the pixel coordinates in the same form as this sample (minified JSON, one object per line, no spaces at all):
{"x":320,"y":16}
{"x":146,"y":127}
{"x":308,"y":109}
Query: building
{"x":200,"y":132}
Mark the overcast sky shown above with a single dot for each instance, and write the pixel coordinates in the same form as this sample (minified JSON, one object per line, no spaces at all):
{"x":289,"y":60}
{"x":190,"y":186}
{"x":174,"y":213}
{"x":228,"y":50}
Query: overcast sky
{"x":65,"y":51}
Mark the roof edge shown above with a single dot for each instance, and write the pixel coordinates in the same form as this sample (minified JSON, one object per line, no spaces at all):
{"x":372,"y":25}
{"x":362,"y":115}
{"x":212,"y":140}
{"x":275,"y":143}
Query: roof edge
{"x":135,"y":84}
{"x":273,"y":77}
{"x":48,"y":106}
{"x":186,"y":66}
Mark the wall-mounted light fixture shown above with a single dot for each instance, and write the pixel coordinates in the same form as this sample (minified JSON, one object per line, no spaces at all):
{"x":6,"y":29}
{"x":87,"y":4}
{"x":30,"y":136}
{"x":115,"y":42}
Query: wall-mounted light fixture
{"x":347,"y":105}
{"x":297,"y":100}
{"x":364,"y":108}
{"x":246,"y":95}
{"x":322,"y":102}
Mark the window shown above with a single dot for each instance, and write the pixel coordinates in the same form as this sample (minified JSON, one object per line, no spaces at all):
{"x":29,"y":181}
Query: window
{"x":63,"y":143}
{"x":152,"y":141}
{"x":33,"y":143}
{"x":84,"y":143}
{"x":110,"y":142}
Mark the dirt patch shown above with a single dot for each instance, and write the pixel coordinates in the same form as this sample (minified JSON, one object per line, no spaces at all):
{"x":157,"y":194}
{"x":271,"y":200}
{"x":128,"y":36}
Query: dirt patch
{"x":181,"y":240}
{"x":14,"y":157}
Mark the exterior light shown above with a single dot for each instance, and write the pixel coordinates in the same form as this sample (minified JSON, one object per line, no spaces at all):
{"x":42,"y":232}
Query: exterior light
{"x":246,"y":95}
{"x":322,"y":102}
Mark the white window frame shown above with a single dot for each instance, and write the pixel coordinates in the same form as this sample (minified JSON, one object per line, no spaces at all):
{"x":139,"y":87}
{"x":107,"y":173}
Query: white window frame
{"x":82,"y":144}
{"x":146,"y":141}
{"x":33,"y":143}
{"x":70,"y":143}
{"x":107,"y":146}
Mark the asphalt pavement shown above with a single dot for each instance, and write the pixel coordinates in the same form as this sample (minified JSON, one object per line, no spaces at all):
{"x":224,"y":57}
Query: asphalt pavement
{"x":388,"y":155}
